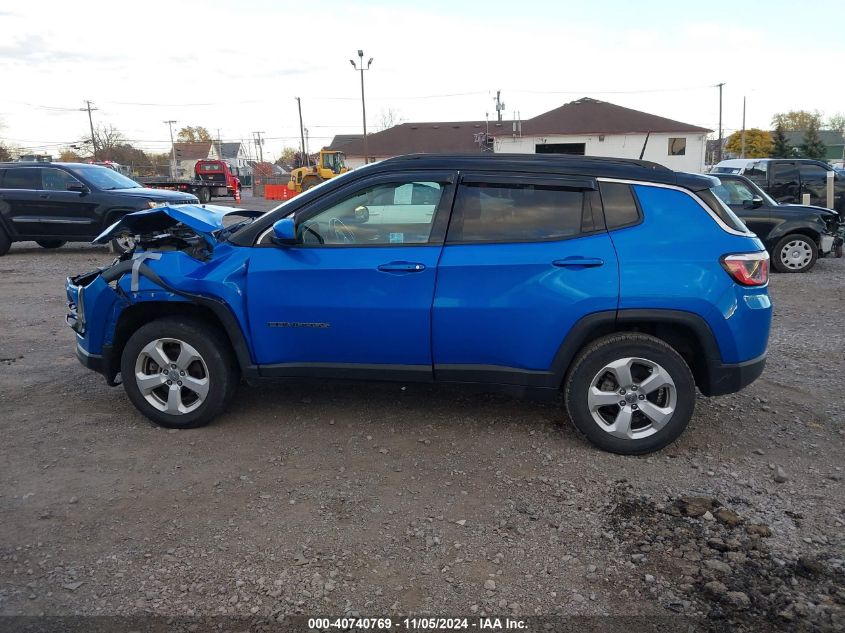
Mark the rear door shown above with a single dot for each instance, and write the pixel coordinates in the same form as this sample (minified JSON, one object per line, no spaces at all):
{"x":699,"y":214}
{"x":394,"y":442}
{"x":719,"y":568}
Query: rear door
{"x":525,"y":258}
{"x":785,"y":183}
{"x":814,"y":181}
{"x":20,"y":201}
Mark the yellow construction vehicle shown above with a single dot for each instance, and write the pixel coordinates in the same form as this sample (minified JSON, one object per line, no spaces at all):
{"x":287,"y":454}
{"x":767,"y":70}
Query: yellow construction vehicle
{"x":329,"y":165}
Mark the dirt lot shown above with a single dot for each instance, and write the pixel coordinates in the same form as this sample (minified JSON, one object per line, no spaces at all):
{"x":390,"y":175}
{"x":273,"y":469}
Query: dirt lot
{"x":381,"y":500}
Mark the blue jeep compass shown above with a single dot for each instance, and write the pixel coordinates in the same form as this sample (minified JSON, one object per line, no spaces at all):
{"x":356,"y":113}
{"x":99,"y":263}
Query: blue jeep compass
{"x":622,"y":284}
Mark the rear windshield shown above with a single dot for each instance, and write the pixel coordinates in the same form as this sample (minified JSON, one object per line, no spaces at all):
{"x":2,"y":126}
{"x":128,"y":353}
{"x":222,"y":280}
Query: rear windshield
{"x":722,"y":210}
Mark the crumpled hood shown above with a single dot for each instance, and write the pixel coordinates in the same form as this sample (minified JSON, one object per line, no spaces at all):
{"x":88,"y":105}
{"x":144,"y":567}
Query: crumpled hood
{"x":204,"y":219}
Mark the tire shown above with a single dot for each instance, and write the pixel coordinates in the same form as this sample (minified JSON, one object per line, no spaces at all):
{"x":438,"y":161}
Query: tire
{"x":671,"y":405}
{"x":204,"y":195}
{"x":50,"y":243}
{"x":308,"y":183}
{"x":5,"y":242}
{"x":120,"y":245}
{"x":794,"y":253}
{"x":209,"y":361}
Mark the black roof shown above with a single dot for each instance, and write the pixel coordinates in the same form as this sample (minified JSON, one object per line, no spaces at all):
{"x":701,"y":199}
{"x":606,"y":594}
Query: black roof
{"x":593,"y":166}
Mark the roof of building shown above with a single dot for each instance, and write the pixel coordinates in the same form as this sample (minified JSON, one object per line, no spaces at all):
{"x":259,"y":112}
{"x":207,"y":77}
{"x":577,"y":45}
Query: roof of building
{"x":229,"y":150}
{"x":340,"y":140}
{"x":584,"y":116}
{"x":591,"y":116}
{"x":192,"y":151}
{"x":409,"y":138}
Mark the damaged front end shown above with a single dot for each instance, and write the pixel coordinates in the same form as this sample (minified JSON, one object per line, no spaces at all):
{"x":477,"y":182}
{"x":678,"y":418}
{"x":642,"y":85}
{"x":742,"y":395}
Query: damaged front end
{"x":173,"y":248}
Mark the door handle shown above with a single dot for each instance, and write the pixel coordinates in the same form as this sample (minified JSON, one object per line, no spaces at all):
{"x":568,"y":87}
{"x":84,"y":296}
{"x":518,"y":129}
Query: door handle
{"x":44,"y":195}
{"x":402,"y":267}
{"x":578,"y":262}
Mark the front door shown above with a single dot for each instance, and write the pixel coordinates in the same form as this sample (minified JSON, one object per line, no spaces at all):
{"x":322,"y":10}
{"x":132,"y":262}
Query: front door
{"x":739,"y":197}
{"x":524,"y":260}
{"x":353,"y":297}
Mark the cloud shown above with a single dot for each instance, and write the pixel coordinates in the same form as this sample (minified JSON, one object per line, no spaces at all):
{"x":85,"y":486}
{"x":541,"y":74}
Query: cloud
{"x":35,"y":49}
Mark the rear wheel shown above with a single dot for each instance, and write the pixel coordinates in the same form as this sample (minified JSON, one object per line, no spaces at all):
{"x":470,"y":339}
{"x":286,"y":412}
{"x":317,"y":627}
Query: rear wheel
{"x":630,"y":393}
{"x":795,"y":253}
{"x":50,"y":243}
{"x":204,"y":195}
{"x":180,"y":373}
{"x":308,"y":183}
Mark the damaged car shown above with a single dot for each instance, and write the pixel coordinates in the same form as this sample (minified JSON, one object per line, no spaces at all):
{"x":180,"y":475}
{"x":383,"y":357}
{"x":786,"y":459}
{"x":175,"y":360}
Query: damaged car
{"x":620,"y":285}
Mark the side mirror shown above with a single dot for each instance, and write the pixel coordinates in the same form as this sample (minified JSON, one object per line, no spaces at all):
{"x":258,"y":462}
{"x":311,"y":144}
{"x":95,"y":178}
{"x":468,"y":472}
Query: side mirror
{"x":284,"y":232}
{"x":362,"y":214}
{"x":78,"y":187}
{"x":755,"y":203}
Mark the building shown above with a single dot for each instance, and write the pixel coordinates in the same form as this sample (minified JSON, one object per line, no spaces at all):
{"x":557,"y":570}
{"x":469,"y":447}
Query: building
{"x":833,"y":142}
{"x":587,"y":127}
{"x":235,"y":155}
{"x":187,"y":155}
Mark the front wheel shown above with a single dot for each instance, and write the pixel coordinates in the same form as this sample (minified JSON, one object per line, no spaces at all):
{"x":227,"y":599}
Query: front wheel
{"x":5,"y":242}
{"x":630,"y":393}
{"x":50,"y":243}
{"x":794,"y":253}
{"x":178,"y":372}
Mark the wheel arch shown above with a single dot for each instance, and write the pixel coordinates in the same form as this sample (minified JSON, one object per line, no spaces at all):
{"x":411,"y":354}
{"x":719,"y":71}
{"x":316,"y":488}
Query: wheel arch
{"x":202,"y":309}
{"x":687,"y":333}
{"x":792,"y":229}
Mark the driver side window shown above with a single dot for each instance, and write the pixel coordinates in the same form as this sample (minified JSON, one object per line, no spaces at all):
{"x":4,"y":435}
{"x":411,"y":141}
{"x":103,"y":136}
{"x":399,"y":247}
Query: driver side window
{"x":389,"y":213}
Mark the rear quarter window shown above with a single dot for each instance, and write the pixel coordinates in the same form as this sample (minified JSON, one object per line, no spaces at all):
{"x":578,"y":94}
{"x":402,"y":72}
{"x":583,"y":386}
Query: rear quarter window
{"x":620,"y":205}
{"x":722,"y":211}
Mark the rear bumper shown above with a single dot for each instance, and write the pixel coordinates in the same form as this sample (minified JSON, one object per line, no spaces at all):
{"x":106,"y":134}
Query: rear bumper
{"x":723,"y":379}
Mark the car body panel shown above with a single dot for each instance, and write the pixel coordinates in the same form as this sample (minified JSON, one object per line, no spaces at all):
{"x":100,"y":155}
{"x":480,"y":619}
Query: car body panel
{"x":690,"y":276}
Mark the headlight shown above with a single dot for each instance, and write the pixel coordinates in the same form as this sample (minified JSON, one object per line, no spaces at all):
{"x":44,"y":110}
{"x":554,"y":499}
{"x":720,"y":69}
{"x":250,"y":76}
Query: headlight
{"x":152,"y":204}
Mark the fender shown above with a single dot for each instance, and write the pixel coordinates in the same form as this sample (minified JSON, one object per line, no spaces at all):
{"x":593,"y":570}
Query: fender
{"x":224,"y":314}
{"x":812,"y":228}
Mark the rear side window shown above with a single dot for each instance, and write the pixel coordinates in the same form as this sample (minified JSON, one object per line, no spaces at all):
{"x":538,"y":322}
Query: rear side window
{"x":22,"y":178}
{"x":620,"y":206}
{"x":721,"y":210}
{"x":515,"y":213}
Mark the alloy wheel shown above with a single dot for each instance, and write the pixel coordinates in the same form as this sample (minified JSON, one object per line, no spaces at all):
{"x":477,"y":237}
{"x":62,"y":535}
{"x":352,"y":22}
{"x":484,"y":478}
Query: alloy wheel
{"x":632,"y":398}
{"x":172,"y":376}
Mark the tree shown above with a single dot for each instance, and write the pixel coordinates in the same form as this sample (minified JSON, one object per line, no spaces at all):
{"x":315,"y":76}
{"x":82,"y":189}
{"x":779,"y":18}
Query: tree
{"x":797,"y":120}
{"x":758,"y":143}
{"x":70,"y":156}
{"x":193,"y":134}
{"x":812,"y":147}
{"x":287,"y":156}
{"x":780,"y":145}
{"x":836,"y":122}
{"x":389,"y":118}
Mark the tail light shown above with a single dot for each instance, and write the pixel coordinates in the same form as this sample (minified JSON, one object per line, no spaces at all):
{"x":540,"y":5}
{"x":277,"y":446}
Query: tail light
{"x":748,"y":269}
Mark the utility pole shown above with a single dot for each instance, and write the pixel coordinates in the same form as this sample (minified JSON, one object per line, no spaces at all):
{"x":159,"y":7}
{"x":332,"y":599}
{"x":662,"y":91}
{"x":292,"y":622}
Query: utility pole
{"x":302,"y":134}
{"x":719,"y":146}
{"x":91,"y":124}
{"x":258,"y":145}
{"x":742,"y":135}
{"x":219,"y":146}
{"x":172,"y":150}
{"x":360,"y":67}
{"x":307,"y":151}
{"x":500,"y":107}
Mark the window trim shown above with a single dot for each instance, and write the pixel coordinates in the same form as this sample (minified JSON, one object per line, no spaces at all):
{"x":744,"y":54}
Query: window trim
{"x":439,"y":224}
{"x":564,"y":182}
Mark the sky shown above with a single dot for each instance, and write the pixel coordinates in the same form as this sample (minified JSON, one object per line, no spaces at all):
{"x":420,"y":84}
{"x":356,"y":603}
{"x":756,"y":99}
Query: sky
{"x":237,"y":67}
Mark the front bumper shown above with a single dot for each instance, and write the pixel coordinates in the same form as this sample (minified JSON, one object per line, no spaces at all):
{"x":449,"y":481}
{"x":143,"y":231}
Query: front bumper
{"x":723,"y":379}
{"x":831,"y":245}
{"x":100,"y":363}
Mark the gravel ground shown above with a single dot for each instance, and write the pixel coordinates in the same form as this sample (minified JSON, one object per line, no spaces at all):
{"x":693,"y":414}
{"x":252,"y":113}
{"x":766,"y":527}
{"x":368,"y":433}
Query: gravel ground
{"x":380,"y":500}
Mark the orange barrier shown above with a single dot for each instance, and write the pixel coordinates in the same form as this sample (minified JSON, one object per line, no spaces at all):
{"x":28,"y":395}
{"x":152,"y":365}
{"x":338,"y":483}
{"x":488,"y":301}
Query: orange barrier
{"x":278,"y":192}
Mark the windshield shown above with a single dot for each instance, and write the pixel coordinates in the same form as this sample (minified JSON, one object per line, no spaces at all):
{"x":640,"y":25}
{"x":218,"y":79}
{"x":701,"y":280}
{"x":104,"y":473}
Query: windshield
{"x":104,"y":178}
{"x":334,"y":162}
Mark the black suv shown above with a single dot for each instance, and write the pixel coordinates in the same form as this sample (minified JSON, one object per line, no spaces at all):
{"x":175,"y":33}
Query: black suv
{"x":795,"y":235}
{"x":54,"y":203}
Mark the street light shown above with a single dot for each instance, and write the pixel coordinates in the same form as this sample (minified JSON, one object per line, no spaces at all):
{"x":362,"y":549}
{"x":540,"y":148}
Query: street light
{"x":357,"y":67}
